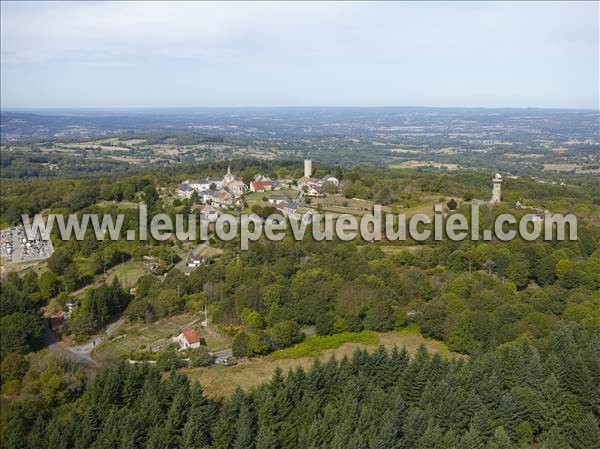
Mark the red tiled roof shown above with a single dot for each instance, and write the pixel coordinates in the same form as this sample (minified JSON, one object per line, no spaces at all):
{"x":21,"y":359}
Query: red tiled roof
{"x":261,"y":184}
{"x":191,"y":336}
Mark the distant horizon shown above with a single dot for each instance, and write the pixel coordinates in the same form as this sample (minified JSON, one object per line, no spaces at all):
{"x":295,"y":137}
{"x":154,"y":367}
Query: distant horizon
{"x":182,"y":108}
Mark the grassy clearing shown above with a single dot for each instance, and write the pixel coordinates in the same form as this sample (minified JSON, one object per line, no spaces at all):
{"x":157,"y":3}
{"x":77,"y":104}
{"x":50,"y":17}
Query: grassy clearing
{"x":221,"y":381}
{"x":139,"y":336}
{"x":315,"y":344}
{"x":119,"y":204}
{"x":253,"y":198}
{"x":399,"y":249}
{"x":128,"y":273}
{"x":210,"y":251}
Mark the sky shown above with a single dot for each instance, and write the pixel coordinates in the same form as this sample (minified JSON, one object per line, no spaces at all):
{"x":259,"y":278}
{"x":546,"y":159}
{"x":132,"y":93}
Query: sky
{"x":446,"y":54}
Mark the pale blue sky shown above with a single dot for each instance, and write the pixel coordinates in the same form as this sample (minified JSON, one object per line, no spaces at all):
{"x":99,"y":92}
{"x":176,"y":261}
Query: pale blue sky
{"x":538,"y":54}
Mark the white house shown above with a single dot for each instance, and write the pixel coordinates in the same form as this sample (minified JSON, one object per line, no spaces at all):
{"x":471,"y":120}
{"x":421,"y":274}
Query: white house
{"x":188,"y":338}
{"x":229,"y":182}
{"x":184,"y":190}
{"x":276,"y":199}
{"x":207,"y":213}
{"x":205,"y":184}
{"x":197,"y":261}
{"x":329,"y":178}
{"x":314,"y":191}
{"x":207,"y":196}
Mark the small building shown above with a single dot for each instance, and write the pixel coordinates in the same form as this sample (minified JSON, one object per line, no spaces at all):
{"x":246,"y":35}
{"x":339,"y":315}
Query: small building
{"x":224,"y":361}
{"x":207,"y":196}
{"x":289,"y":206}
{"x":185,"y":191}
{"x":70,"y":307}
{"x":236,"y":188}
{"x":329,"y":179}
{"x":306,"y":182}
{"x":314,"y":191}
{"x":209,"y":183}
{"x":57,"y":320}
{"x":274,"y":200}
{"x":188,"y":338}
{"x":223,"y":199}
{"x":263,"y":185}
{"x":198,"y":261}
{"x":207,"y":212}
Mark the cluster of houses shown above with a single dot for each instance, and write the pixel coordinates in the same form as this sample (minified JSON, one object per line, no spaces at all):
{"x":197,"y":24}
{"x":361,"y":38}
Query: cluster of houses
{"x":290,"y":208}
{"x":263,"y":184}
{"x":222,"y":192}
{"x":227,"y":192}
{"x":312,"y":186}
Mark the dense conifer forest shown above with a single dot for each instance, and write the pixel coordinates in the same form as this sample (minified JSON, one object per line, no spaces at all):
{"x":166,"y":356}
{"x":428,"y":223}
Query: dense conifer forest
{"x":503,"y":399}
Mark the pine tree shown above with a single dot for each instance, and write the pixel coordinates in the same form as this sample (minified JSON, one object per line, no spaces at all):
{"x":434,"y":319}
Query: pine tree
{"x":587,"y":433}
{"x":397,"y":363}
{"x":433,"y":438}
{"x":88,"y":429}
{"x":413,"y":427}
{"x":266,"y":438}
{"x":244,"y":429}
{"x":508,"y":415}
{"x":201,"y":416}
{"x":389,"y":433}
{"x":177,"y":414}
{"x":554,"y":439}
{"x":500,"y":439}
{"x":133,"y":431}
{"x":223,"y":430}
{"x":472,"y":440}
{"x":36,"y":438}
{"x":109,"y":437}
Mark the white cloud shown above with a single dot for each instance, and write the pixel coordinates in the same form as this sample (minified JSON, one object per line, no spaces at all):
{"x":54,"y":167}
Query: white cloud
{"x":39,"y":32}
{"x":300,"y":53}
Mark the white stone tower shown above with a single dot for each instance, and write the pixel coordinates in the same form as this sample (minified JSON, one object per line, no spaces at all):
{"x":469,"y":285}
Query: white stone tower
{"x":497,"y":189}
{"x":307,"y":168}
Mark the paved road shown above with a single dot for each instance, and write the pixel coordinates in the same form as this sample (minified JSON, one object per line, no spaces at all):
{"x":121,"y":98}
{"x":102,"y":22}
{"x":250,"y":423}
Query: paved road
{"x":83,"y":352}
{"x":225,"y":353}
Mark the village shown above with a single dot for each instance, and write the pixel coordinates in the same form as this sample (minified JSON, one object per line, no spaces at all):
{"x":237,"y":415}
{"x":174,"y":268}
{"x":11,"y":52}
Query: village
{"x":213,"y":195}
{"x":191,"y":333}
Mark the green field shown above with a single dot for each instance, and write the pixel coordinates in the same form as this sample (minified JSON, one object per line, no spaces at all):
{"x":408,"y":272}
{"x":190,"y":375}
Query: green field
{"x":128,"y":273}
{"x":221,"y":381}
{"x":135,"y":337}
{"x":315,"y":344}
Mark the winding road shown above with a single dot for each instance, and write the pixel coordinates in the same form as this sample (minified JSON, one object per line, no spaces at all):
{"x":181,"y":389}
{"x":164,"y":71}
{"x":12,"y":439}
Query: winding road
{"x":83,"y":352}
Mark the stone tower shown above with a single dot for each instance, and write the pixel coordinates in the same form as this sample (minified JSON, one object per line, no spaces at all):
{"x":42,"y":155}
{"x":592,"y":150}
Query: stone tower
{"x":307,"y":168}
{"x":497,"y":189}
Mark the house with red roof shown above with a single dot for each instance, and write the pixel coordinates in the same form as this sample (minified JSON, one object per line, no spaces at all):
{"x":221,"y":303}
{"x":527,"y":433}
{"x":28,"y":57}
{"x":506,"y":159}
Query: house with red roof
{"x":263,"y":185}
{"x":188,"y":338}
